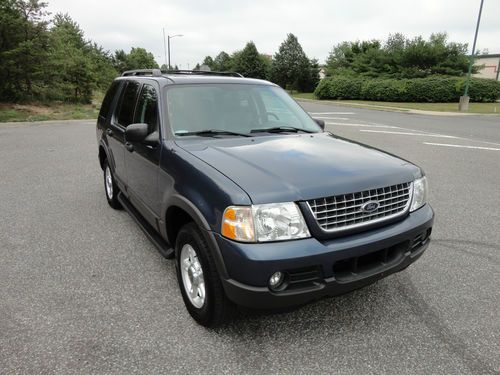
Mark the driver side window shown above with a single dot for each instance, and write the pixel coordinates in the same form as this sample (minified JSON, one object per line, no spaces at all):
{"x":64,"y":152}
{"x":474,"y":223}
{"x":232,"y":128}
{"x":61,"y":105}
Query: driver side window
{"x":147,"y":108}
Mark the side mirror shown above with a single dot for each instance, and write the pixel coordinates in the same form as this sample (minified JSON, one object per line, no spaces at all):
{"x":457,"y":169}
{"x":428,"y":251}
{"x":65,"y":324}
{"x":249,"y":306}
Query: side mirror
{"x":136,"y":132}
{"x":321,"y":123}
{"x":152,"y":139}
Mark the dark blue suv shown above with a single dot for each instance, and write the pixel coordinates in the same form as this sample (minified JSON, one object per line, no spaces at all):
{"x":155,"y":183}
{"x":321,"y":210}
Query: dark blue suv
{"x":258,"y":204}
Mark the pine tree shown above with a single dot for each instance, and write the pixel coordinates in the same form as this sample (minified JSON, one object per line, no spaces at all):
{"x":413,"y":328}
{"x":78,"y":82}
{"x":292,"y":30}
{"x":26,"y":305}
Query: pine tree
{"x":291,"y":68}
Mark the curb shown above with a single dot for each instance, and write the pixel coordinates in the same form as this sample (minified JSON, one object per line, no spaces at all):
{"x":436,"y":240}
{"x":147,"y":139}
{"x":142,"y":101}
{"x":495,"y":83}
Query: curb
{"x":397,"y":109}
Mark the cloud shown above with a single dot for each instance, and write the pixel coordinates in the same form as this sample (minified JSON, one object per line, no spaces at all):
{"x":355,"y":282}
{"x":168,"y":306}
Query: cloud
{"x":210,"y":26}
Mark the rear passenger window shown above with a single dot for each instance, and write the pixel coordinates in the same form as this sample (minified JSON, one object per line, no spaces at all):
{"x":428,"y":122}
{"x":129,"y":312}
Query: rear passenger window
{"x":147,"y":108}
{"x":125,"y":112}
{"x":108,"y":99}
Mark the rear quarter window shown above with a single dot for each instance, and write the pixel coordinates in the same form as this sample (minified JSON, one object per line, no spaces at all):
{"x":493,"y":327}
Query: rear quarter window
{"x":108,"y":99}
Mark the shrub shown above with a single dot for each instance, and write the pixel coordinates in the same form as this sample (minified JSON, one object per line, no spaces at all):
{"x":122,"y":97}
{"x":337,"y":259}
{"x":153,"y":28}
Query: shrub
{"x":430,"y":89}
{"x":339,"y":88}
{"x":388,"y":90}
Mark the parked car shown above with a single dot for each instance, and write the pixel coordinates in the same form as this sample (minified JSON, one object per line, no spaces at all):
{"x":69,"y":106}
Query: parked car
{"x":257,"y":203}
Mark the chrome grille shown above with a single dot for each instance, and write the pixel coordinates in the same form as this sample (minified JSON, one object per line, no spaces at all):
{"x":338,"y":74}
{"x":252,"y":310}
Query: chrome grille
{"x":342,"y":212}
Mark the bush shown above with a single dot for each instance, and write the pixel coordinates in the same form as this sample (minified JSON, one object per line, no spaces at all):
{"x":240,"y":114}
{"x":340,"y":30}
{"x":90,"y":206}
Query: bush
{"x":339,"y":88}
{"x":430,"y":89}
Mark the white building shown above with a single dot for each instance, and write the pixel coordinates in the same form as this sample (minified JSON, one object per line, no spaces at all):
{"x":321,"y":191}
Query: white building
{"x":490,"y":66}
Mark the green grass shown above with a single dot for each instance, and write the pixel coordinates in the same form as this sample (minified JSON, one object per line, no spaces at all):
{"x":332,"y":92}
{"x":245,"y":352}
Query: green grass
{"x":42,"y":112}
{"x":438,"y":107}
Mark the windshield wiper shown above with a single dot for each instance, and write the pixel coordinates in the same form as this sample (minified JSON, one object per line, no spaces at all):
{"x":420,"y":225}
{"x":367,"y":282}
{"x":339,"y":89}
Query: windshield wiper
{"x":212,"y":132}
{"x":280,"y":129}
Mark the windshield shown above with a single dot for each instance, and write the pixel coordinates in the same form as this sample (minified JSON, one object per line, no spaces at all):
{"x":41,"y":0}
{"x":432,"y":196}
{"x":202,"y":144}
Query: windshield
{"x":234,"y":108}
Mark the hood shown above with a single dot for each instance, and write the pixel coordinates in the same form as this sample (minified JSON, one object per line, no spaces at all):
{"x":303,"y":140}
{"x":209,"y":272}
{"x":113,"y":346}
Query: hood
{"x":281,"y":168}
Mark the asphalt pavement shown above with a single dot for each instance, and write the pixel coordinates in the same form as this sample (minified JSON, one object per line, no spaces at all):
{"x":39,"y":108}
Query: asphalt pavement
{"x":82,"y":290}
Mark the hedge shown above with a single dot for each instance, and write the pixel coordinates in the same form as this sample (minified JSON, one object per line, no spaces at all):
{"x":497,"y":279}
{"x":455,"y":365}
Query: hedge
{"x":430,"y":89}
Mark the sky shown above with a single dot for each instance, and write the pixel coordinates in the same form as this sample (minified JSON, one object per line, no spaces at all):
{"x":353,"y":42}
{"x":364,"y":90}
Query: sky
{"x":211,"y":26}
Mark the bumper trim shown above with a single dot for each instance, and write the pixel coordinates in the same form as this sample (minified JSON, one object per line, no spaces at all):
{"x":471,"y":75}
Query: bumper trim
{"x":264,"y":298}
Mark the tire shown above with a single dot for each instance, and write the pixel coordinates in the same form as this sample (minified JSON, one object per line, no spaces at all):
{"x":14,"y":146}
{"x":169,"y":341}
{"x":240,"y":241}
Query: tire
{"x":214,"y":308}
{"x":110,"y":188}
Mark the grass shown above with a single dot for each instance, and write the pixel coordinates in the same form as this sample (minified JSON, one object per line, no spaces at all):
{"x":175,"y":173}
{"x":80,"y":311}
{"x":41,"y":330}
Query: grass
{"x":49,"y":111}
{"x":438,"y":107}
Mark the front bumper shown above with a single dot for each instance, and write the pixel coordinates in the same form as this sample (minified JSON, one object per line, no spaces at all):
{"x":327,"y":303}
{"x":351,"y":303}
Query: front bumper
{"x":317,"y":269}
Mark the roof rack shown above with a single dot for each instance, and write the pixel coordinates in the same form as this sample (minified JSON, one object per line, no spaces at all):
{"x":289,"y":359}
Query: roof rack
{"x":204,"y":73}
{"x":159,"y":73}
{"x":142,"y":72}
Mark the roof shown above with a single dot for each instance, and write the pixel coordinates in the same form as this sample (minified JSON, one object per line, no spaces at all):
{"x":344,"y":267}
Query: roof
{"x":193,"y":77}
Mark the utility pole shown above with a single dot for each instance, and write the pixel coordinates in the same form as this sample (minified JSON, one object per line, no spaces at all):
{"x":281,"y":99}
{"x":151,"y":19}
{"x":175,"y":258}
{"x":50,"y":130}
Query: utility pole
{"x":168,"y":44}
{"x":165,"y":47}
{"x":463,"y":105}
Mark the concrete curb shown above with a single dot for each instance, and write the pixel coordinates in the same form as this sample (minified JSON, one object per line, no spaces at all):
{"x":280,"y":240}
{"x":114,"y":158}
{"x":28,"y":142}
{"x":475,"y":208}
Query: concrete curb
{"x":397,"y":109}
{"x":46,"y":122}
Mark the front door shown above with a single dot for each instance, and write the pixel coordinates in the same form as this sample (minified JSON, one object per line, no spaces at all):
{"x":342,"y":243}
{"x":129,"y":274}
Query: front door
{"x":142,"y":160}
{"x":116,"y":131}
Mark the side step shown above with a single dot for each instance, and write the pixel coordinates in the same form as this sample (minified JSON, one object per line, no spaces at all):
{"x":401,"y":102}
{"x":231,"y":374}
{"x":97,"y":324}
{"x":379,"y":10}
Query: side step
{"x":163,"y":247}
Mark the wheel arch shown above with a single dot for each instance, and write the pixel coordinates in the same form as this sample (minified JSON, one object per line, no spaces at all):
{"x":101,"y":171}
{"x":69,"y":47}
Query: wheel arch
{"x":181,"y":211}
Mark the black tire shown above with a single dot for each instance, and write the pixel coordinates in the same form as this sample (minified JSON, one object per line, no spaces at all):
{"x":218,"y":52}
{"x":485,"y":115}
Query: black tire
{"x":216,"y":309}
{"x":111,"y":194}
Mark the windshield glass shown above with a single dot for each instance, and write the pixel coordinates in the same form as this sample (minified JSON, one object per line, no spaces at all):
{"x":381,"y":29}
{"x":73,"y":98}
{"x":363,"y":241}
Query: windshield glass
{"x":234,"y":108}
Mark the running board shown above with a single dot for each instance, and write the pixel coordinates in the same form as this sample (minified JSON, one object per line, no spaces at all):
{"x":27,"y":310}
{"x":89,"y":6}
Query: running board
{"x":163,"y":247}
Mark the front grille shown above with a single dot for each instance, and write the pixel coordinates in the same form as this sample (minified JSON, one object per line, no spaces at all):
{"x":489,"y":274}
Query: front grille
{"x":343,"y":212}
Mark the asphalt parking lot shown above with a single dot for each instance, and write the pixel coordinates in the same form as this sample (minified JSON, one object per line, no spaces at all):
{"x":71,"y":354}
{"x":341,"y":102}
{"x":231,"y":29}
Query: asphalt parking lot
{"x":83,"y":291}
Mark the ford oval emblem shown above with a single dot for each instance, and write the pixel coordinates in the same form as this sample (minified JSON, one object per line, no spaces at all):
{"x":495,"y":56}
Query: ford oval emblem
{"x":370,"y":206}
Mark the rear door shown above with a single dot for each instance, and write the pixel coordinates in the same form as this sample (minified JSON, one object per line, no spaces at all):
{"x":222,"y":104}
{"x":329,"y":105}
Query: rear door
{"x":142,"y":160}
{"x":123,"y":117}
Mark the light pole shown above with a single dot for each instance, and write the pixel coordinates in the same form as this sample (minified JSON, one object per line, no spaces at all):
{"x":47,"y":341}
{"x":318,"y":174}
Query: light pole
{"x":463,"y":105}
{"x":168,"y":44}
{"x":165,"y":48}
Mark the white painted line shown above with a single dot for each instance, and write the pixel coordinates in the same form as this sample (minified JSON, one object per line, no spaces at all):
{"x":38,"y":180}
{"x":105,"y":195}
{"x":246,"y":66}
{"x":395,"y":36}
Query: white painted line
{"x":406,"y":133}
{"x":332,"y":113}
{"x":462,"y":146}
{"x":360,"y":125}
{"x":332,"y":118}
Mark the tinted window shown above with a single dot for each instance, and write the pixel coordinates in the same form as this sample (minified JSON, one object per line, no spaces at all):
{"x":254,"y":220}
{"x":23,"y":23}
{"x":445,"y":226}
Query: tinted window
{"x":108,"y":99}
{"x":147,"y":108}
{"x":126,"y":107}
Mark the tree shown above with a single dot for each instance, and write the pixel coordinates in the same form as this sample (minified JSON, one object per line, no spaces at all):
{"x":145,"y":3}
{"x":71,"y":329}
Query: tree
{"x":139,"y":58}
{"x":208,"y":61}
{"x":399,"y":57}
{"x":291,"y":67}
{"x":249,"y":62}
{"x":222,"y":62}
{"x":23,"y":47}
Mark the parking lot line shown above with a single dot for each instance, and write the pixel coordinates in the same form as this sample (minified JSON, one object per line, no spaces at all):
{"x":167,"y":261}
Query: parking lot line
{"x":360,"y":125}
{"x":332,"y":118}
{"x":408,"y":133}
{"x":332,"y":113}
{"x":461,"y":146}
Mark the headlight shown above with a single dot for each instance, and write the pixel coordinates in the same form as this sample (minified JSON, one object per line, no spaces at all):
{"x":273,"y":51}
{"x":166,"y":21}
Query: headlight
{"x":419,"y":194}
{"x":264,"y":222}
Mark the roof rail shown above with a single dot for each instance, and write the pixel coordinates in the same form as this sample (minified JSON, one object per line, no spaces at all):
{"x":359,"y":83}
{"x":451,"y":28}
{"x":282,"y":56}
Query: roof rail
{"x":142,"y":72}
{"x":203,"y":73}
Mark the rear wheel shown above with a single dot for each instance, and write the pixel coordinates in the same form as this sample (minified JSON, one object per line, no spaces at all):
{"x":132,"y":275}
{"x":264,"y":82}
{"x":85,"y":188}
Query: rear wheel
{"x":199,"y":280}
{"x":110,"y":187}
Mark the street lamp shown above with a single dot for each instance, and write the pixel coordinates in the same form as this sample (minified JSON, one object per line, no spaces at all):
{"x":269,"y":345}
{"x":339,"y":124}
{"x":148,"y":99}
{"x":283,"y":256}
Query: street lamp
{"x":167,"y":48}
{"x":463,"y":105}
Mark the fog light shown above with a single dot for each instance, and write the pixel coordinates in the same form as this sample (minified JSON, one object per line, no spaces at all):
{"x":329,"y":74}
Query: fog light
{"x":276,"y":280}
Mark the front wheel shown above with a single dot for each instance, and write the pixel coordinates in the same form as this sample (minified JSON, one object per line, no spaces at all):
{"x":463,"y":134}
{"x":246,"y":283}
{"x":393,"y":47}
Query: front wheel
{"x":110,"y":187}
{"x":199,"y":280}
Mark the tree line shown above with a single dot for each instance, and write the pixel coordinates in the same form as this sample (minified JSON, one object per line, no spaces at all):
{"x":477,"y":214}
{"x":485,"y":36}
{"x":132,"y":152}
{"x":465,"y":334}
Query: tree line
{"x":44,"y":57}
{"x":48,"y":58}
{"x":289,"y":67}
{"x":399,"y":57}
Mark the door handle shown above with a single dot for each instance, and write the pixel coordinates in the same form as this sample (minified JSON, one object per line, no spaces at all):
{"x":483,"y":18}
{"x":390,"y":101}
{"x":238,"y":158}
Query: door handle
{"x":109,"y":132}
{"x":129,"y":147}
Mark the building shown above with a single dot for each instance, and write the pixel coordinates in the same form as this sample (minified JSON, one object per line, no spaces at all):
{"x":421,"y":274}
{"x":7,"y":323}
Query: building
{"x":489,"y":66}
